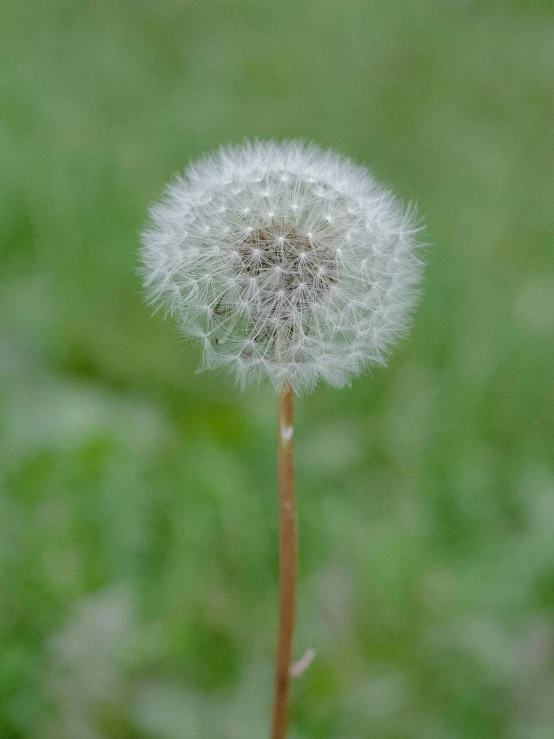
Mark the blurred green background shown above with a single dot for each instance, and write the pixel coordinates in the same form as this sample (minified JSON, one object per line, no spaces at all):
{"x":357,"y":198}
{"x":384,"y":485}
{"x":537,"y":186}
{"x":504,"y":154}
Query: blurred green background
{"x":138,"y":550}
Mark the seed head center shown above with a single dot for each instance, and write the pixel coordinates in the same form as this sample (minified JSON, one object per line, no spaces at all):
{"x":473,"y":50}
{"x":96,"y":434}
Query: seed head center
{"x":300,"y":268}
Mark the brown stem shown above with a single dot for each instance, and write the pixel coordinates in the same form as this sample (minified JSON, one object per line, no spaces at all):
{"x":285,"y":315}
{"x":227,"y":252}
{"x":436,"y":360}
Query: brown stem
{"x":287,"y":563}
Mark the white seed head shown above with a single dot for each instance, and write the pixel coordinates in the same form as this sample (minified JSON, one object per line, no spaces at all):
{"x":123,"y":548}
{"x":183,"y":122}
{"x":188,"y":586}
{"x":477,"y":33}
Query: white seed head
{"x":285,"y":260}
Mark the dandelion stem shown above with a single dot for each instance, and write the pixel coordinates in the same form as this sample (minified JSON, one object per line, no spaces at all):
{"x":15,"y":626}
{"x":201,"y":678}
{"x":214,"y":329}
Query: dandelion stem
{"x":287,"y":562}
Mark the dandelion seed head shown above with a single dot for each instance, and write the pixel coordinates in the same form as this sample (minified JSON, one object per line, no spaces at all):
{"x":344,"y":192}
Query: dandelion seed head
{"x":287,"y":261}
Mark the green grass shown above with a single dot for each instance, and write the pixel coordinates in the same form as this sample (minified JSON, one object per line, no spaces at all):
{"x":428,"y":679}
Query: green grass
{"x":137,"y":498}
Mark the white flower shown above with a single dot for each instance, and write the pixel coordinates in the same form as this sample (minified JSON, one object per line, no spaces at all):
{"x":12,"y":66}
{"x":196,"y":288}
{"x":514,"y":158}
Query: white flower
{"x":285,"y":261}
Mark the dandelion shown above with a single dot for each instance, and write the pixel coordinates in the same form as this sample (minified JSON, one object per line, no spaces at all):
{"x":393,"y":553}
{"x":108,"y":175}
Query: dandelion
{"x":288,"y":263}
